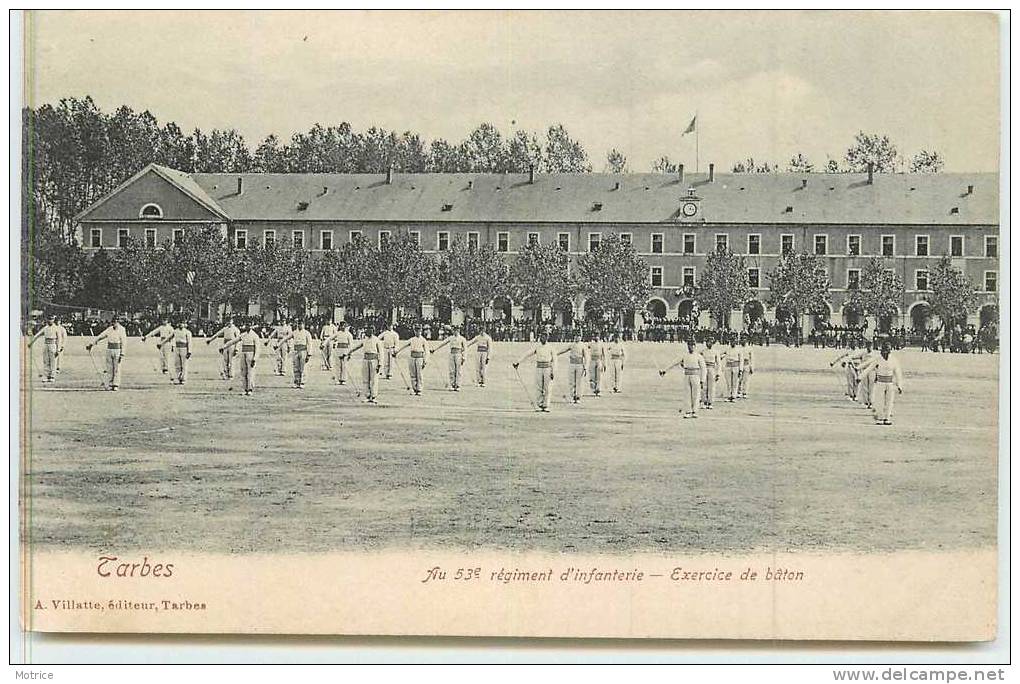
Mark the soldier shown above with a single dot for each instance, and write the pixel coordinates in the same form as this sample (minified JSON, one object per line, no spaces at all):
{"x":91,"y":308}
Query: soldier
{"x":544,"y":372}
{"x":734,"y":361}
{"x":165,"y":333}
{"x":326,"y":345}
{"x":850,"y":362}
{"x":371,"y":363}
{"x":390,"y":339}
{"x":865,"y":384}
{"x":694,"y":368}
{"x":116,"y":339}
{"x":182,"y":352}
{"x":617,"y":357}
{"x":597,"y":363}
{"x":51,"y":338}
{"x":281,"y":330}
{"x":457,"y":345}
{"x":887,"y":374}
{"x":61,"y":340}
{"x":746,"y":367}
{"x":302,"y":351}
{"x":578,"y":365}
{"x":418,"y":359}
{"x":249,"y":343}
{"x":343,"y":340}
{"x":228,"y":332}
{"x":713,"y":362}
{"x":484,"y":346}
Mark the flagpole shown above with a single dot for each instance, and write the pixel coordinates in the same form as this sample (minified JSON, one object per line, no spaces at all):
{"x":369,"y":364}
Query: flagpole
{"x":697,"y":143}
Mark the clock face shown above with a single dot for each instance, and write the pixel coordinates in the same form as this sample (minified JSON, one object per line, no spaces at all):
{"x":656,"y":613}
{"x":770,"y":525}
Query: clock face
{"x":690,"y":209}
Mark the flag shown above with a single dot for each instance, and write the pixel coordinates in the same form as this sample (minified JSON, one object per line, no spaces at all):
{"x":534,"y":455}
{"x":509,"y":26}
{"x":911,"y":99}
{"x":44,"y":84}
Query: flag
{"x":692,"y":126}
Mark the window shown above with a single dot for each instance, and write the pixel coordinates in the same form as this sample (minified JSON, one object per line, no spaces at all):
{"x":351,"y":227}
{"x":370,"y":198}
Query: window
{"x":853,"y":278}
{"x":354,"y":236}
{"x":123,"y":235}
{"x":821,"y":245}
{"x":991,"y":281}
{"x":754,"y":278}
{"x":563,"y":239}
{"x":786,"y":244}
{"x":656,"y":276}
{"x":150,"y":237}
{"x":416,"y":236}
{"x":991,"y":246}
{"x":534,"y":239}
{"x":326,"y":240}
{"x":853,"y":245}
{"x":689,"y":243}
{"x":178,"y":235}
{"x":722,"y":242}
{"x":150,"y":211}
{"x":443,"y":240}
{"x":888,"y":245}
{"x":921,"y":245}
{"x":502,"y":242}
{"x":383,"y":238}
{"x":240,"y":239}
{"x":472,"y":240}
{"x":657,"y":243}
{"x":688,"y":276}
{"x":754,"y":243}
{"x":956,"y":245}
{"x":921,"y":280}
{"x":626,"y":238}
{"x":594,"y":240}
{"x":269,"y":238}
{"x":298,"y":239}
{"x":96,"y":237}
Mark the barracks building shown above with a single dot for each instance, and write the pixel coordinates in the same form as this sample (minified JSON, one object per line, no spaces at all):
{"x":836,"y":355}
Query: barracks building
{"x":674,"y":221}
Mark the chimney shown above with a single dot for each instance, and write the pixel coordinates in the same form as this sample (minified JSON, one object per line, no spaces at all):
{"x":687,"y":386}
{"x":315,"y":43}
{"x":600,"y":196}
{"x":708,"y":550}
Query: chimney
{"x":325,"y":190}
{"x":970,"y":189}
{"x":471,"y":184}
{"x":389,"y":175}
{"x":711,"y":173}
{"x":240,"y":185}
{"x":680,"y":172}
{"x":531,"y":174}
{"x":803,"y":183}
{"x":871,"y":173}
{"x":616,"y":185}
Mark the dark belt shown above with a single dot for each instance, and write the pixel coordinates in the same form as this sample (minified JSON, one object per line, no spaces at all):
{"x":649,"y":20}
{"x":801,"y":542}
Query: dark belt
{"x":576,"y":360}
{"x":883,"y":378}
{"x":182,"y":344}
{"x":617,"y":356}
{"x":733,"y":364}
{"x":692,"y":371}
{"x":344,"y":345}
{"x":417,"y":355}
{"x":300,"y":347}
{"x":113,"y":345}
{"x":248,"y":348}
{"x":543,"y":364}
{"x":371,"y":356}
{"x":483,"y":349}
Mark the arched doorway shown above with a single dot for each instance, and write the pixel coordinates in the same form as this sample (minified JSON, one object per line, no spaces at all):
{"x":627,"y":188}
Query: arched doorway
{"x":988,"y":315}
{"x":852,"y":316}
{"x":885,"y":322}
{"x":920,"y":316}
{"x":820,"y":319}
{"x":502,"y":309}
{"x":656,"y":307}
{"x":444,"y":310}
{"x":754,"y":311}
{"x":688,"y":308}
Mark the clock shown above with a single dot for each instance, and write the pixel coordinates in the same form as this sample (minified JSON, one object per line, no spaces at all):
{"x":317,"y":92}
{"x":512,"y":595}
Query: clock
{"x":689,"y":209}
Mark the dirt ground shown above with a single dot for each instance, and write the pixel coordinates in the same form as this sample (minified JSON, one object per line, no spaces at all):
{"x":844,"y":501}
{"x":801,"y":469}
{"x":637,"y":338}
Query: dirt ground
{"x":794,"y":467}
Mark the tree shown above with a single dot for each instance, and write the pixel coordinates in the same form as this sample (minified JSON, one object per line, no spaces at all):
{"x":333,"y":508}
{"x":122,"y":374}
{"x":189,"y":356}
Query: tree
{"x":483,"y":150}
{"x":832,"y":166}
{"x":664,"y":165}
{"x":953,"y":295}
{"x":539,"y":275}
{"x":402,"y":275}
{"x":473,"y":276}
{"x":874,"y":149}
{"x":927,"y":161}
{"x":616,"y":162}
{"x":723,"y":286}
{"x":750,"y":165}
{"x":196,"y":268}
{"x":880,"y":291}
{"x":563,"y":154}
{"x":523,"y":152}
{"x":613,"y":278}
{"x":800,"y":164}
{"x":799,"y":284}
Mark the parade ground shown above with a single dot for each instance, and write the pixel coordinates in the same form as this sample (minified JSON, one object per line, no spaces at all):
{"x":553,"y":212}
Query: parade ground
{"x":796,"y":466}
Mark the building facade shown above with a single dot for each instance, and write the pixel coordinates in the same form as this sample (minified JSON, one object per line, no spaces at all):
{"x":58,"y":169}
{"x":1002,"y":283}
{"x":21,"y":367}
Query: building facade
{"x":674,"y":221}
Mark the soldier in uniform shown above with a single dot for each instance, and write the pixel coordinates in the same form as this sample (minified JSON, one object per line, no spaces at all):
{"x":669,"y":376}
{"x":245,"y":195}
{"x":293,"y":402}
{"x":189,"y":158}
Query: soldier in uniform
{"x":457,"y":345}
{"x":371,"y":363}
{"x":746,"y":367}
{"x":344,"y":340}
{"x":544,"y":371}
{"x":578,"y":365}
{"x":693,"y":365}
{"x":249,"y":346}
{"x":418,"y":359}
{"x":164,"y":331}
{"x":484,"y":347}
{"x":116,"y":339}
{"x":712,"y":365}
{"x":390,"y":338}
{"x":61,"y":341}
{"x":850,"y":361}
{"x":281,"y":330}
{"x":182,"y":352}
{"x":734,"y":360}
{"x":617,"y":357}
{"x":302,"y":351}
{"x":865,"y":384}
{"x":887,"y":376}
{"x":326,"y":345}
{"x":597,"y":363}
{"x":228,"y":332}
{"x":51,"y":339}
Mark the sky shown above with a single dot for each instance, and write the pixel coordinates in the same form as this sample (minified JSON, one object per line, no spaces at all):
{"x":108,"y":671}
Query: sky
{"x":762,"y":84}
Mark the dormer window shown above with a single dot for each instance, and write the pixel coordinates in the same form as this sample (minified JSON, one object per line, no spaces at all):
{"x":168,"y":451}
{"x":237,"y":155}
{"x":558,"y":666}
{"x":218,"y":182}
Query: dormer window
{"x":151,"y":211}
{"x":596,"y":206}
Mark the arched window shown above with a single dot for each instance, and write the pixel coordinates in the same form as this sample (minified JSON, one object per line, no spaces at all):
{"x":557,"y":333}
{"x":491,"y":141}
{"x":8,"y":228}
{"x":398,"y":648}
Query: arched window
{"x":151,"y":211}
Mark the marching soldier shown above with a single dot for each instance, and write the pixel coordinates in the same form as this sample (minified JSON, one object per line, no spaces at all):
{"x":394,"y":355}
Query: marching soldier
{"x":457,"y":345}
{"x":597,"y":363}
{"x":249,"y":345}
{"x":61,"y":340}
{"x":483,"y":344}
{"x":850,"y":362}
{"x":326,"y":346}
{"x":865,"y":385}
{"x":51,"y":339}
{"x":418,"y":359}
{"x":578,"y":365}
{"x":712,"y":365}
{"x":734,"y":359}
{"x":390,"y":338}
{"x":544,"y":372}
{"x":281,"y":330}
{"x":182,"y":352}
{"x":228,"y":332}
{"x":617,"y":357}
{"x":371,"y":363}
{"x":302,"y":351}
{"x":887,"y":375}
{"x":165,"y":332}
{"x":746,"y":367}
{"x":693,"y":365}
{"x":343,"y":341}
{"x":116,"y":339}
